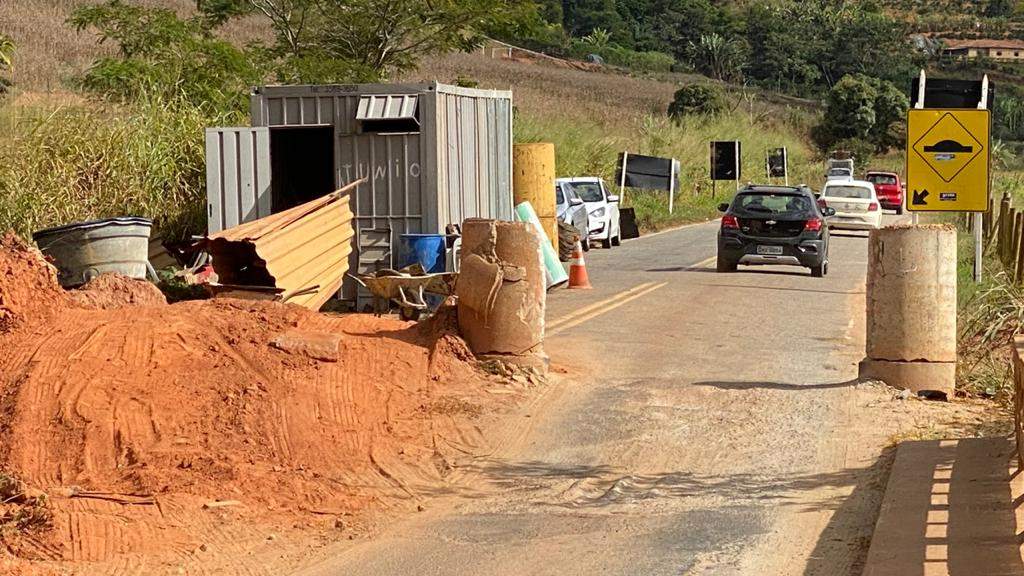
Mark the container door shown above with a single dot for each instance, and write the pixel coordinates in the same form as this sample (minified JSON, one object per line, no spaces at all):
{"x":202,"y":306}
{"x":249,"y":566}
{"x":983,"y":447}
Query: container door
{"x":237,"y":176}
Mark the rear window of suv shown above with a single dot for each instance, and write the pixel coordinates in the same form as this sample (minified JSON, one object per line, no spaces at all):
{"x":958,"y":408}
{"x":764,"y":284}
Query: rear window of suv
{"x":847,"y":192}
{"x":763,"y":203}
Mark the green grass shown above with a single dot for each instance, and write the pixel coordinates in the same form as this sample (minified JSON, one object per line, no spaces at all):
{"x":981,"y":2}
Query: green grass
{"x":77,"y":163}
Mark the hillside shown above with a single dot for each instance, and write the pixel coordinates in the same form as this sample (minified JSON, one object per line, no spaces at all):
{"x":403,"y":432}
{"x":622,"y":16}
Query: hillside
{"x":591,"y":116}
{"x":49,"y":52}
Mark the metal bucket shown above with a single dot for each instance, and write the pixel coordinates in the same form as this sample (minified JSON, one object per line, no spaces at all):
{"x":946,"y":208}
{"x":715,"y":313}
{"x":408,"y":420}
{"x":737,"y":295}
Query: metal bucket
{"x":85,"y":250}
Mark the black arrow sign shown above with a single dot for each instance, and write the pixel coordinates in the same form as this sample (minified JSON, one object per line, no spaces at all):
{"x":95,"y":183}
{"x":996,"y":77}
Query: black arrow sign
{"x":919,"y":198}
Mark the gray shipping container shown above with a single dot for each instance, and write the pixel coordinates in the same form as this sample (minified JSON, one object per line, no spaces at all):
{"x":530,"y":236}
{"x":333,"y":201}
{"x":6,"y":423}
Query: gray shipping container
{"x":433,"y":155}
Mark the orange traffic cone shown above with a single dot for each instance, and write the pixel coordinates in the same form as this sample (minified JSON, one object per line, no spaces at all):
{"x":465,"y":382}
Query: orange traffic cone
{"x":578,"y":269}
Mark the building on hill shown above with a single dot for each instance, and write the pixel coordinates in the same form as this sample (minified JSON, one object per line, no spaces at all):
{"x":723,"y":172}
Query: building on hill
{"x":984,"y":48}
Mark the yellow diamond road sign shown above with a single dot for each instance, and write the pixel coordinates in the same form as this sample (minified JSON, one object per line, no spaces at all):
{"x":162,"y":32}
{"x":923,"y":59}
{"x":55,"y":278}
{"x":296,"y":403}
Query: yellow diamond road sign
{"x":947,"y":160}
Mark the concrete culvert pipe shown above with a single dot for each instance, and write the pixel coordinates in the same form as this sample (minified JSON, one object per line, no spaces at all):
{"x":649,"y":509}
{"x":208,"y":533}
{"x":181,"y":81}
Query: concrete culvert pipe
{"x":911,"y":307}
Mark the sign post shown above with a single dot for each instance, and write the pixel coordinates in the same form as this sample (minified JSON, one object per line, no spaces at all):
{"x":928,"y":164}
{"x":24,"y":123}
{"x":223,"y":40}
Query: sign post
{"x":671,"y":186}
{"x":622,"y":179}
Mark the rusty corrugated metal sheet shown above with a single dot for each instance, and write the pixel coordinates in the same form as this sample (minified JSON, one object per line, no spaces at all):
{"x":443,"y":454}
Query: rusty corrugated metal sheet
{"x":304,"y":250}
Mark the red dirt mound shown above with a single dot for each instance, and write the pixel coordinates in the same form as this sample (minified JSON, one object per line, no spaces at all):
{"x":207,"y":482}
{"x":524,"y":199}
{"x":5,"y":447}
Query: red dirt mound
{"x":132,"y":418}
{"x":28,"y":285}
{"x":112,"y":291}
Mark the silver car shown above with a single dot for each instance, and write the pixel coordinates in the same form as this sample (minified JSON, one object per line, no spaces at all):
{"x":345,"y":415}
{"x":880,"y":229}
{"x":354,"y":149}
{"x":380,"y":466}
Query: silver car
{"x":571,"y":209}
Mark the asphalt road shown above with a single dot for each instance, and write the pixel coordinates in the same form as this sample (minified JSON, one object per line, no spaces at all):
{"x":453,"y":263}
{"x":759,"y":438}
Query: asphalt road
{"x":698,"y":429}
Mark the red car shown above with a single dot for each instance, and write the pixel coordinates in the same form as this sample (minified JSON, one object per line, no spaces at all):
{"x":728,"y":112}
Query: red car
{"x":889,"y":189}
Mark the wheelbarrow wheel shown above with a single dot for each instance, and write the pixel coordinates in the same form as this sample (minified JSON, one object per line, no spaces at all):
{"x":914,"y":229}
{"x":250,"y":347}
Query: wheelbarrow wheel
{"x":408,"y":314}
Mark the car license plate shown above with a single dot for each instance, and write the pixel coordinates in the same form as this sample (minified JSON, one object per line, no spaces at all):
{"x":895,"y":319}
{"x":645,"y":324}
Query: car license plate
{"x":770,"y":250}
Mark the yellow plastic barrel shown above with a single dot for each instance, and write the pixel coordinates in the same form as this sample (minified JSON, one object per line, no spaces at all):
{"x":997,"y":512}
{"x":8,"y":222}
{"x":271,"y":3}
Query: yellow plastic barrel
{"x":533,"y":181}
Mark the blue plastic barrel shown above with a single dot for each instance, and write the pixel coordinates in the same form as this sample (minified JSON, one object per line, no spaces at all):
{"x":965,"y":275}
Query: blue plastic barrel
{"x":425,"y":249}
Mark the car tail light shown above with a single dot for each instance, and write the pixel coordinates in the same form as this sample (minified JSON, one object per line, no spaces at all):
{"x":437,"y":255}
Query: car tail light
{"x":730,"y":221}
{"x":873,"y":206}
{"x":812,"y":225}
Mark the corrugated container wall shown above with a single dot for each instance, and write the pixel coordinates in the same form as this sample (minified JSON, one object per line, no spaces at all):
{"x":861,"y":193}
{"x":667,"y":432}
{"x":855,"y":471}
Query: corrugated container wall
{"x":433,"y":154}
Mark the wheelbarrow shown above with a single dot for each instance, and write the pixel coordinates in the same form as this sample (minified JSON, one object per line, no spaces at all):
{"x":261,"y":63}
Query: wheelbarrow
{"x":405,"y":288}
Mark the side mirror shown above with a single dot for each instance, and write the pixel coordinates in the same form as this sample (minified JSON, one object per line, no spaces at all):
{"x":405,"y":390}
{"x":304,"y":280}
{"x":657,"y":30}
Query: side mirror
{"x":613,"y":198}
{"x":829,"y":212}
{"x":576,"y":202}
{"x":724,"y":206}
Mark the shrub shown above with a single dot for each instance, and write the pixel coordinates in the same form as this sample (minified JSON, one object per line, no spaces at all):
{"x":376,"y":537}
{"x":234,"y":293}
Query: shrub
{"x":697,"y":99}
{"x":618,"y":56}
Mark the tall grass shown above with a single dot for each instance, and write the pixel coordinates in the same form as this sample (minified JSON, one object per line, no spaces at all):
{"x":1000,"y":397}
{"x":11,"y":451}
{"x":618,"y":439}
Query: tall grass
{"x":591,"y":148}
{"x":77,"y":163}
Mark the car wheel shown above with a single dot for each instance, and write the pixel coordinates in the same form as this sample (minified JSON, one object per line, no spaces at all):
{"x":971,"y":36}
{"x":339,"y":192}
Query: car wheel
{"x":617,"y":241}
{"x":899,"y":210}
{"x":819,"y":271}
{"x":723,"y":265}
{"x":586,"y":244}
{"x":608,"y":243}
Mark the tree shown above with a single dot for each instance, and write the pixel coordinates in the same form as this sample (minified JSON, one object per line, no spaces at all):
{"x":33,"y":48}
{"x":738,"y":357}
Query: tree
{"x":863,"y":109}
{"x":163,"y":56}
{"x":6,"y":62}
{"x":999,"y":8}
{"x":804,"y":47}
{"x":718,"y":57}
{"x":697,"y":99}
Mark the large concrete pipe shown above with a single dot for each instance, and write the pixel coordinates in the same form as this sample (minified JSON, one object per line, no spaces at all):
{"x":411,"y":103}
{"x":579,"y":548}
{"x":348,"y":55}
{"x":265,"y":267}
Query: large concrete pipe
{"x":502,"y":292}
{"x":911,"y":308}
{"x":533,"y":181}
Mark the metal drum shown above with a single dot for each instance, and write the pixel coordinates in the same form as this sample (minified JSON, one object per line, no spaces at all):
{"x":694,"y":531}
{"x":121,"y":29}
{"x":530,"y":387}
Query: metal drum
{"x":85,"y":250}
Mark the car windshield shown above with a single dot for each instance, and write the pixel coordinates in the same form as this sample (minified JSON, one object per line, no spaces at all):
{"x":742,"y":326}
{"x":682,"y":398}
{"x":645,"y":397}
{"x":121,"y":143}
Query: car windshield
{"x":559,"y":198}
{"x":588,"y":191}
{"x":772,"y":204}
{"x":848,"y":192}
{"x":839,"y":172}
{"x":881,"y":179}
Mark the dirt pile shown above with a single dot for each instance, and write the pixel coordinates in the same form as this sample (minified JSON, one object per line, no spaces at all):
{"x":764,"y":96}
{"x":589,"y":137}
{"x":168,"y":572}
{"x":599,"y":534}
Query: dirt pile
{"x":112,"y":291}
{"x":28,"y":285}
{"x":132,"y":418}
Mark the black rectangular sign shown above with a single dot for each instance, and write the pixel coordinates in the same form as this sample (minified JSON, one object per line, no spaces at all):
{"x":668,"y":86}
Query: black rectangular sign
{"x":951,"y":93}
{"x":777,"y":164}
{"x":725,"y":160}
{"x":646,"y":172}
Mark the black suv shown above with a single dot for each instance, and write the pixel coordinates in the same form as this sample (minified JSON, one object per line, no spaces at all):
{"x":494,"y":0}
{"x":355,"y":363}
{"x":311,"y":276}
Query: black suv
{"x":774,"y":225}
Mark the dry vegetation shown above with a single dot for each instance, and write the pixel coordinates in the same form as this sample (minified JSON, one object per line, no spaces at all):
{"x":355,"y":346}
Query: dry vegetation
{"x":49,"y":52}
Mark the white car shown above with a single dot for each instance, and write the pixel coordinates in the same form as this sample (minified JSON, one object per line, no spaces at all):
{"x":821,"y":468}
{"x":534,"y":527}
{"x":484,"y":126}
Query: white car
{"x":602,"y":208}
{"x":838,"y":173}
{"x":855,"y":203}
